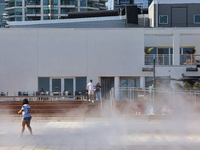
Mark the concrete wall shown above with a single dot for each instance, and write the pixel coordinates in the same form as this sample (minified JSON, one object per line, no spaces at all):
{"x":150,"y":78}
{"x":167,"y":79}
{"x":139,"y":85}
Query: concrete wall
{"x":27,"y":54}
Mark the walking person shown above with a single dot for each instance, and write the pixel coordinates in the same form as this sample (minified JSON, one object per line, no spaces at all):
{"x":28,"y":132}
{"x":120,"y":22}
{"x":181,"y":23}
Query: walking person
{"x":26,"y":117}
{"x":98,"y":88}
{"x":90,"y":86}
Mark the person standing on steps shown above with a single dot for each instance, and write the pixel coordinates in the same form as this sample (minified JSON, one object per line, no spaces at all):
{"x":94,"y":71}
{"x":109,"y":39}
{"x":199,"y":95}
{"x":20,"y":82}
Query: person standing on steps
{"x":98,"y":88}
{"x":90,"y":86}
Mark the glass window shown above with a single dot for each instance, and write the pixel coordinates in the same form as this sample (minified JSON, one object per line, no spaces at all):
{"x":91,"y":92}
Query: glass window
{"x":46,"y":18}
{"x":133,"y":82}
{"x":55,"y":2}
{"x":43,"y":82}
{"x":83,"y":9}
{"x":56,"y":85}
{"x":163,"y":80}
{"x":83,"y":2}
{"x":186,"y":55}
{"x":46,"y":10}
{"x":68,"y":86}
{"x":18,"y":19}
{"x":55,"y":10}
{"x":150,"y":50}
{"x":18,"y":11}
{"x":148,"y":81}
{"x":18,"y":2}
{"x":81,"y":84}
{"x":163,"y":19}
{"x":171,"y":50}
{"x":163,"y":50}
{"x":45,"y":2}
{"x":196,"y":18}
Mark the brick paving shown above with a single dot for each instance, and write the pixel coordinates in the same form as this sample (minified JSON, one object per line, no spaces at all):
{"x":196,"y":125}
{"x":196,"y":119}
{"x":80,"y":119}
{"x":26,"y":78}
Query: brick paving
{"x":101,"y":134}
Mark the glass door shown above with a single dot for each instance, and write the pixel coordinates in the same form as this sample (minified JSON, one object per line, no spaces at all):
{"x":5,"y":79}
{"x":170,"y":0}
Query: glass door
{"x":68,"y":86}
{"x":56,"y":85}
{"x":124,"y":90}
{"x":132,"y":82}
{"x":126,"y":83}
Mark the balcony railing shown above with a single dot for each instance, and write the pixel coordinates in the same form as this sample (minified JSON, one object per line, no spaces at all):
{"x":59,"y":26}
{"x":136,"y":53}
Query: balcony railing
{"x":190,"y":59}
{"x":33,"y":3}
{"x":160,"y":59}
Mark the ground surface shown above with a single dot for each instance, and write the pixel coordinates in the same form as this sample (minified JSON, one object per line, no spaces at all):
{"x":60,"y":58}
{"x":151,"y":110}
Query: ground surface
{"x":102,"y":134}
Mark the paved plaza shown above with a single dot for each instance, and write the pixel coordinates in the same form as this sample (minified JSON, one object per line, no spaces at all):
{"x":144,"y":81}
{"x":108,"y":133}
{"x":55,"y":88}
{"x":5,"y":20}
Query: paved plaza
{"x":102,"y":134}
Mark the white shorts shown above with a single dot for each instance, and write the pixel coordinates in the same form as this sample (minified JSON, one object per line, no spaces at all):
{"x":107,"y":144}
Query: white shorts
{"x":90,"y":92}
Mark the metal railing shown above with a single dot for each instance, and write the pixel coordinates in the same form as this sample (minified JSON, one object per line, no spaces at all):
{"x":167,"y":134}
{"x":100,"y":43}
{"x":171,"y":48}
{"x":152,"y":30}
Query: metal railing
{"x":32,"y":95}
{"x":153,"y":95}
{"x":190,"y":59}
{"x":160,"y":59}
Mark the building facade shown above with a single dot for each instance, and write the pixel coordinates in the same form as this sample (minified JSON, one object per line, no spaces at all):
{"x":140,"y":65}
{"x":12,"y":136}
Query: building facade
{"x":66,"y":59}
{"x":123,"y":3}
{"x":28,"y":10}
{"x":2,"y":10}
{"x":171,"y":13}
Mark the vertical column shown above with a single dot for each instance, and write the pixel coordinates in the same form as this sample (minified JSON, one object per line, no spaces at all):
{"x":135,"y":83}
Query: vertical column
{"x":157,"y":13}
{"x":23,"y":10}
{"x":176,"y":49}
{"x":58,"y":9}
{"x":41,"y":11}
{"x":74,"y":87}
{"x":62,"y":85}
{"x":142,"y":82}
{"x":117,"y":85}
{"x":50,"y":84}
{"x":78,"y":4}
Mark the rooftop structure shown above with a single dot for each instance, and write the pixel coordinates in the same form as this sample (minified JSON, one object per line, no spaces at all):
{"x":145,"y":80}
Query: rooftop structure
{"x":116,"y":4}
{"x":94,"y":22}
{"x":179,"y":13}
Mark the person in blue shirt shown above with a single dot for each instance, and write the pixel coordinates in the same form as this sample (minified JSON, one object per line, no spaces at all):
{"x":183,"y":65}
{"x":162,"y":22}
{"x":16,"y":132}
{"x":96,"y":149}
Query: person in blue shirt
{"x":26,"y":117}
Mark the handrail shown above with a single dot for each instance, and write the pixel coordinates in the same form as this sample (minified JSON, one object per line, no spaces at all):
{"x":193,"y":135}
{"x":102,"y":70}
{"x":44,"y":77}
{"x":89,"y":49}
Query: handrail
{"x":42,"y":96}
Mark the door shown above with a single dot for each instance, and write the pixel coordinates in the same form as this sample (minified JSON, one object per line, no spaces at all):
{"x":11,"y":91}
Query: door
{"x":106,"y":84}
{"x":127,"y":84}
{"x":56,"y":85}
{"x":179,"y":17}
{"x":124,"y":90}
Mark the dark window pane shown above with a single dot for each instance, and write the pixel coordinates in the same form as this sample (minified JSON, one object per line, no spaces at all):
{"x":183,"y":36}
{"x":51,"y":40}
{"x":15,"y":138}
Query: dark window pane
{"x":187,"y":50}
{"x":148,"y":81}
{"x":163,"y":19}
{"x":56,"y":85}
{"x":163,"y":50}
{"x":69,"y":86}
{"x":43,"y":82}
{"x":151,"y":50}
{"x":171,"y":50}
{"x":197,"y":19}
{"x":81,"y":84}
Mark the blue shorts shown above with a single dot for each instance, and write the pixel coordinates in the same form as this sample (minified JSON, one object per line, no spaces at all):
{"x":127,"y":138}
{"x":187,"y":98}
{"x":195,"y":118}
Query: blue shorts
{"x":26,"y":118}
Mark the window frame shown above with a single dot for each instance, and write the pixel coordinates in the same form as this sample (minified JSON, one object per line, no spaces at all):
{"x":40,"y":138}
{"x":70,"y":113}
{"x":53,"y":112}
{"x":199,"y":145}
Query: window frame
{"x":159,"y":19}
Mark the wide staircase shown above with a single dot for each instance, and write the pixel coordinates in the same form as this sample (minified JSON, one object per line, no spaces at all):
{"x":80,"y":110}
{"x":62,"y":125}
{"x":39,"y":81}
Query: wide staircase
{"x":51,"y":110}
{"x":67,"y":110}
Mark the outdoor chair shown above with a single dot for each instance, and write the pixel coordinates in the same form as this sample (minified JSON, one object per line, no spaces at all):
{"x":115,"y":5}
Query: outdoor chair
{"x":150,"y":110}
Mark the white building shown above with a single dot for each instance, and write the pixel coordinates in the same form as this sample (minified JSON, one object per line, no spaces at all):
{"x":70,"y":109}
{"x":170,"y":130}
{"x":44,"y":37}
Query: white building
{"x":66,"y":58}
{"x":55,"y":59}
